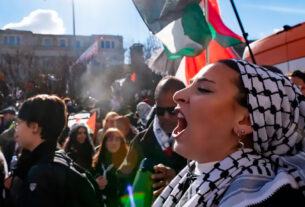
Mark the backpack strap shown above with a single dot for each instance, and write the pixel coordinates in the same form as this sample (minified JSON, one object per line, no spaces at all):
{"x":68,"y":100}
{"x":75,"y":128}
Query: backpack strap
{"x":62,"y":159}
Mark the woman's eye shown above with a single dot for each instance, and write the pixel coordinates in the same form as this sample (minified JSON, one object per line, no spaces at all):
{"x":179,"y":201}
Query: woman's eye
{"x":203,"y":90}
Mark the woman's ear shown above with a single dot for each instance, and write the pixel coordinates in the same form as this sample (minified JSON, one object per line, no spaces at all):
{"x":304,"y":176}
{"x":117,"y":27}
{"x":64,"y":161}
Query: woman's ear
{"x":243,"y":122}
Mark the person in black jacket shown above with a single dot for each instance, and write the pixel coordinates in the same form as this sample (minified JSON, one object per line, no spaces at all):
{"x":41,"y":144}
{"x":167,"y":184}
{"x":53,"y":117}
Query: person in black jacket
{"x":44,"y":177}
{"x":106,"y":161}
{"x":156,"y":142}
{"x":79,"y":146}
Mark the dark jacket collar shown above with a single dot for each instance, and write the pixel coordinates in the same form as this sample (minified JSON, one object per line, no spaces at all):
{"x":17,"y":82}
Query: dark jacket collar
{"x":43,"y":153}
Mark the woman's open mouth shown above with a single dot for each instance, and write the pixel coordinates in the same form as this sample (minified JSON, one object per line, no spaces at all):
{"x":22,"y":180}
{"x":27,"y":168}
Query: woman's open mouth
{"x":182,"y":124}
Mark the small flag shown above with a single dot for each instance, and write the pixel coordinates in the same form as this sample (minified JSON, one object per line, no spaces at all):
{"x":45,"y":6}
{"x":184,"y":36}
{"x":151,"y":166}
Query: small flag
{"x":91,"y":123}
{"x":89,"y":53}
{"x":133,"y":77}
{"x":80,"y":117}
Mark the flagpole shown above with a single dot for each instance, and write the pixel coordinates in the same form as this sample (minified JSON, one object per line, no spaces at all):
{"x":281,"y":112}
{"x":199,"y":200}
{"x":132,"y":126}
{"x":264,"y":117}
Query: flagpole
{"x":206,"y":9}
{"x":73,"y":17}
{"x":245,"y":35}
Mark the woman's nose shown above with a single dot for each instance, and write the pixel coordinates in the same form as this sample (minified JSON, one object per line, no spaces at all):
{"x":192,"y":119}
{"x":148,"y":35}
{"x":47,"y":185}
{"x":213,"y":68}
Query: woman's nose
{"x":180,"y":96}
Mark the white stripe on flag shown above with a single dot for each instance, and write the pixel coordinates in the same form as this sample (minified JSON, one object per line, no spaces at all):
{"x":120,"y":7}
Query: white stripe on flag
{"x":172,"y":36}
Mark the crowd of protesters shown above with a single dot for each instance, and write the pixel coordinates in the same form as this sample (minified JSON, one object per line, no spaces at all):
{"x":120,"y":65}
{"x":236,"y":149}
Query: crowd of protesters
{"x":42,"y":157}
{"x":43,"y":162}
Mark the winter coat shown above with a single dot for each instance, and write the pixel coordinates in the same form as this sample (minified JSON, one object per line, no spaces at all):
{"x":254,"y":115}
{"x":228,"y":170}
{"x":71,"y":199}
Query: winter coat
{"x":40,"y":181}
{"x":145,"y":145}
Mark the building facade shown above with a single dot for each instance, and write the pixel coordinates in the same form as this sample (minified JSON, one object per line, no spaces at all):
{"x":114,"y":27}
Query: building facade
{"x":110,"y":52}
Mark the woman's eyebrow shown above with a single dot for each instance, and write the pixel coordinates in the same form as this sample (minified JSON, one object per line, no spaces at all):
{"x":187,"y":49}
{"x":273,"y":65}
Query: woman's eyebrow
{"x":202,"y":79}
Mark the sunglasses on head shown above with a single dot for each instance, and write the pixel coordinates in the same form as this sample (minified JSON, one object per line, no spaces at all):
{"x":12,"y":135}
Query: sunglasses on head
{"x":160,"y":111}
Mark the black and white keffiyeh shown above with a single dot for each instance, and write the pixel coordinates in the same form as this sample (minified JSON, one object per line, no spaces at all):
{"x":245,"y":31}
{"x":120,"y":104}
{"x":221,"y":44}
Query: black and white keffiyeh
{"x":277,"y":111}
{"x":163,"y":139}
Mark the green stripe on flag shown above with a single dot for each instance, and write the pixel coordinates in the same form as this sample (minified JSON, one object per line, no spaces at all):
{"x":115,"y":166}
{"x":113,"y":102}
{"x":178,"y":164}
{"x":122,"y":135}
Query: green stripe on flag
{"x":223,"y":40}
{"x":227,"y":41}
{"x":195,"y":28}
{"x":195,"y":25}
{"x":213,"y":31}
{"x":187,"y":51}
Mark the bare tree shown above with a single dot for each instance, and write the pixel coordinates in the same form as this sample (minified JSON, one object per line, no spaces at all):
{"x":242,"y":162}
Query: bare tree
{"x":151,"y":45}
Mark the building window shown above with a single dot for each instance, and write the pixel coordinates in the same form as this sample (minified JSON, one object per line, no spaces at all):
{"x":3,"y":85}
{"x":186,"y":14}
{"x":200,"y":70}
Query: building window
{"x":12,"y":40}
{"x":107,"y":44}
{"x":102,"y":44}
{"x":77,"y":44}
{"x":62,"y":43}
{"x":47,"y":43}
{"x":17,"y":40}
{"x":5,"y":42}
{"x":112,"y":44}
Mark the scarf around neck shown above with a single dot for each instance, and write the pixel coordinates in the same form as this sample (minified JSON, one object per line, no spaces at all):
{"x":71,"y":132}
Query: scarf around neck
{"x":163,"y":139}
{"x":277,"y":111}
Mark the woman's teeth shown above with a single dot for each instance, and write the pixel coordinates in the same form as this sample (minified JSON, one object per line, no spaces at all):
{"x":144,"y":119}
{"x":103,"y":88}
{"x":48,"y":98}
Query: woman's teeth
{"x":180,"y":115}
{"x":182,"y":124}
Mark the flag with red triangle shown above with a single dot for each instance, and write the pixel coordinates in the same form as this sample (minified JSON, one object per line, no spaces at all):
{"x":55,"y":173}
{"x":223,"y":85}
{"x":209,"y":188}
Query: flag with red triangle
{"x":182,"y":27}
{"x":220,"y":32}
{"x":91,"y":123}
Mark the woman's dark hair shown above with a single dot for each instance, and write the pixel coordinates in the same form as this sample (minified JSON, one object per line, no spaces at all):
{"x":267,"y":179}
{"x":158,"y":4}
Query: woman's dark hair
{"x":49,"y":112}
{"x":241,"y":97}
{"x":298,"y":74}
{"x":103,"y":155}
{"x":86,"y":149}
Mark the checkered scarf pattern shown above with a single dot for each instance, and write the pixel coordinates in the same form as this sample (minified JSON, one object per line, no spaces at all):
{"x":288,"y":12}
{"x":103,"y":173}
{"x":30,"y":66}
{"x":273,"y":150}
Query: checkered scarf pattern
{"x":277,"y":111}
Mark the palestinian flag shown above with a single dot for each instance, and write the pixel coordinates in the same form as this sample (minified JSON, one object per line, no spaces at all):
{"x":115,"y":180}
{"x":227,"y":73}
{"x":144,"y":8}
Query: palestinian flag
{"x":182,"y":27}
{"x":220,"y":32}
{"x":85,"y":118}
{"x":91,"y":123}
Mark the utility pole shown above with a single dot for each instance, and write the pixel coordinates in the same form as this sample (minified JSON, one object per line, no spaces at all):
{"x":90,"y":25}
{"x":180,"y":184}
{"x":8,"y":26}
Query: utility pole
{"x":73,"y":16}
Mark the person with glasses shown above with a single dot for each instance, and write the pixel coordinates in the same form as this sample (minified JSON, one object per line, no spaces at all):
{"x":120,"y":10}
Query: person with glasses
{"x":44,"y":176}
{"x":156,"y":142}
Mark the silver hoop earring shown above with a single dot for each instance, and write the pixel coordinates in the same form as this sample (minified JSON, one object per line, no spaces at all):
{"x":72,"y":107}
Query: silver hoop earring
{"x":241,"y":144}
{"x":240,"y":133}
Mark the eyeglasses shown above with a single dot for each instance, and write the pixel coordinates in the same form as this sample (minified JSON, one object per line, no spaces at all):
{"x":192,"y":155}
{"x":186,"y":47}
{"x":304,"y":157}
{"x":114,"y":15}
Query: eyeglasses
{"x":160,"y":111}
{"x":17,"y":123}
